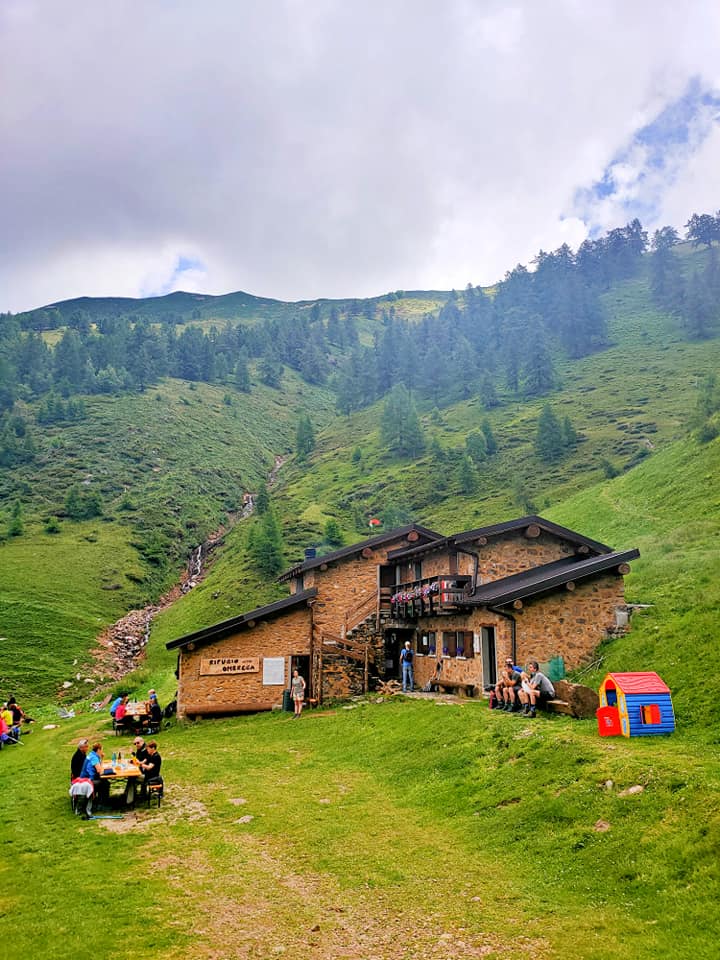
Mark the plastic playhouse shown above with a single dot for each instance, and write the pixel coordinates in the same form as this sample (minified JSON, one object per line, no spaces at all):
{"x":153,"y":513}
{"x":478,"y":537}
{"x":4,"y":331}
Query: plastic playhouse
{"x":634,"y":705}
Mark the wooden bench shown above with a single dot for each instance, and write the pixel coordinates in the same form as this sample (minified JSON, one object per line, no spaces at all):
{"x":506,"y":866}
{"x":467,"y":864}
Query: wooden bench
{"x":455,"y":686}
{"x":558,"y":706}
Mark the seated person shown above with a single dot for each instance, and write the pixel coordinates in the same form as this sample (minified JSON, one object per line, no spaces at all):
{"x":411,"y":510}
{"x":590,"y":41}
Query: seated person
{"x":92,"y":770}
{"x":114,"y":706}
{"x":7,"y":717}
{"x":19,"y":715}
{"x":151,"y":767}
{"x":155,"y":714}
{"x":77,"y":761}
{"x":535,"y":690}
{"x":121,"y":718}
{"x":507,"y":686}
{"x":140,"y":752}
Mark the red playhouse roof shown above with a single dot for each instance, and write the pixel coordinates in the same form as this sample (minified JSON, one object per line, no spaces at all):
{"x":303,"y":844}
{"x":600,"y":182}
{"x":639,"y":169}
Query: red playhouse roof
{"x":639,"y":683}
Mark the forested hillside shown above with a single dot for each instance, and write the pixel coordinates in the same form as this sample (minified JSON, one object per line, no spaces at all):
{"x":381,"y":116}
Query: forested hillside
{"x":129,"y":430}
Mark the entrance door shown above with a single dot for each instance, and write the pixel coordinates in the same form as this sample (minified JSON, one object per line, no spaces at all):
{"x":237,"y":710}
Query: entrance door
{"x":394,"y":642}
{"x":489,"y":663}
{"x":302,"y":665}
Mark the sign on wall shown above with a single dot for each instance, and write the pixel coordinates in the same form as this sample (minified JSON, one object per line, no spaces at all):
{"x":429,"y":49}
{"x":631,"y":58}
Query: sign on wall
{"x":229,"y":665}
{"x":274,"y":672}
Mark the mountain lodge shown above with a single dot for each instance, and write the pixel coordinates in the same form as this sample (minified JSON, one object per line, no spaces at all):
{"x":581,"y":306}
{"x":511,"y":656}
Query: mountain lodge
{"x":526,"y":588}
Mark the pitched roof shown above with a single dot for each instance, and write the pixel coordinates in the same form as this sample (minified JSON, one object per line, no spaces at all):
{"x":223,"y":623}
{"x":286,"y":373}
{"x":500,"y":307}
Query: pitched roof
{"x":354,"y":548}
{"x":648,"y":682}
{"x":545,"y":578}
{"x":226,"y":627}
{"x":463,"y":540}
{"x":496,"y":529}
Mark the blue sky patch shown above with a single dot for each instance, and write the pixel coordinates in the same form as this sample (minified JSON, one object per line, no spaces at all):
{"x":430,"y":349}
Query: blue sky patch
{"x":636,"y":179}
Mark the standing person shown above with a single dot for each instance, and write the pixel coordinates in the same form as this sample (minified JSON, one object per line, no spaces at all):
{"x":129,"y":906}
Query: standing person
{"x":297,"y":686}
{"x":406,"y":662}
{"x":536,"y":690}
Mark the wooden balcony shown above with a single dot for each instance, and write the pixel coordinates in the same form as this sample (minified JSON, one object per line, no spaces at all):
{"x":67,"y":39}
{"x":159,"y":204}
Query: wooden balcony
{"x":427,"y":597}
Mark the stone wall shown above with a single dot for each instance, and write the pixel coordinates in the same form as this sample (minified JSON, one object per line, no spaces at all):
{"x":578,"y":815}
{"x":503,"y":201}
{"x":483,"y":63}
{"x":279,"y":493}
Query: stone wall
{"x":565,"y":623}
{"x":569,"y":623}
{"x":513,"y":553}
{"x":283,"y":636}
{"x":346,"y":585}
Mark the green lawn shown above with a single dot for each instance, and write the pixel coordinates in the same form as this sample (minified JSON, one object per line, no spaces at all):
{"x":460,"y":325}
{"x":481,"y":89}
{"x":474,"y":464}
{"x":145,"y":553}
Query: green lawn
{"x":392,"y":830}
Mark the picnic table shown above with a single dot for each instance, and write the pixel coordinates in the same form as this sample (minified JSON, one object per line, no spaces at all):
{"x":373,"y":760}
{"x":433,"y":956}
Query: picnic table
{"x":127,"y":771}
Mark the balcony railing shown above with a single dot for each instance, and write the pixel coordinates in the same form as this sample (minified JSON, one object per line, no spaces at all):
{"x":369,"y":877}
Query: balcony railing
{"x":431,"y":595}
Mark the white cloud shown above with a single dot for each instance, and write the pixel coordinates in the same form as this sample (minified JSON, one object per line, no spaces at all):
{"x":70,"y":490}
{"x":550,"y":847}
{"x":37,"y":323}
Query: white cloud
{"x":327,"y":149}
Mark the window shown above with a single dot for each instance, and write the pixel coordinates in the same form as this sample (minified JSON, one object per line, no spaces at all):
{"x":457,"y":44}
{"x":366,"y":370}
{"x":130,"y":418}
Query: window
{"x":650,"y":713}
{"x":458,"y":643}
{"x":431,"y":643}
{"x":423,"y":644}
{"x":449,"y":643}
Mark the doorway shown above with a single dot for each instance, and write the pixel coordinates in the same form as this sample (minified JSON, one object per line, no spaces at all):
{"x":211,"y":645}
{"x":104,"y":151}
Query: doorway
{"x":394,"y":642}
{"x":489,"y":662}
{"x":302,"y":665}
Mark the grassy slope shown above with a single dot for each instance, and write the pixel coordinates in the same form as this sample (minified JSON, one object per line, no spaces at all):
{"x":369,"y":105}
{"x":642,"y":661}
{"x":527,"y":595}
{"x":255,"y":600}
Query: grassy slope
{"x":626,"y":401}
{"x":670,"y":508}
{"x":182,"y":457}
{"x":490,"y":836}
{"x":493,"y":835}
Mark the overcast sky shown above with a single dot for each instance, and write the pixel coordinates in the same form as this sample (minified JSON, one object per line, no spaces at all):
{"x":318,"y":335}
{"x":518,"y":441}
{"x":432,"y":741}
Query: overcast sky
{"x":327,"y":148}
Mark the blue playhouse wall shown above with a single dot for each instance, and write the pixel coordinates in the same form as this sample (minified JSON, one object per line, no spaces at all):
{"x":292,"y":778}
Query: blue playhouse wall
{"x":634,"y":702}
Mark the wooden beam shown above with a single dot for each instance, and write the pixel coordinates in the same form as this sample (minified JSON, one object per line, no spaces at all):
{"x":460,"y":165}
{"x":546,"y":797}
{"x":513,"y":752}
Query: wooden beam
{"x":323,"y":567}
{"x":532,"y":532}
{"x":570,"y":585}
{"x":624,"y":569}
{"x":413,"y":536}
{"x":367,"y":552}
{"x":518,"y":604}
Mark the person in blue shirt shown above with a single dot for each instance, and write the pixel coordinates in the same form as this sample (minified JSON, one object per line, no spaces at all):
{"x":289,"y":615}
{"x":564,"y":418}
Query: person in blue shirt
{"x":114,"y":705}
{"x":406,"y":662}
{"x":92,"y":770}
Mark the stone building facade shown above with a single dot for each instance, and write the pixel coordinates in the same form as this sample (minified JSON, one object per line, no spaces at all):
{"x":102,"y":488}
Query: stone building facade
{"x":524,"y":589}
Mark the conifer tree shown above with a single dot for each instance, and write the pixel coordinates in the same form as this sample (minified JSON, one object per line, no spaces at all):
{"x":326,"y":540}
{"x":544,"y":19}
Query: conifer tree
{"x":549,"y":440}
{"x":490,"y":441}
{"x":400,"y":429}
{"x":467,"y":476}
{"x":266,"y":546}
{"x":15,"y":528}
{"x":304,"y":438}
{"x":262,"y":500}
{"x":476,"y":446}
{"x":333,"y":533}
{"x":569,"y":433}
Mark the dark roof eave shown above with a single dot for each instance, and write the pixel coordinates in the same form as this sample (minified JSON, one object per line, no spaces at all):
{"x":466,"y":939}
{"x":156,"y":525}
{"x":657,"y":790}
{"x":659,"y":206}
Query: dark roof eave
{"x":226,"y":627}
{"x":353,"y":548}
{"x":508,"y":526}
{"x":492,"y":594}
